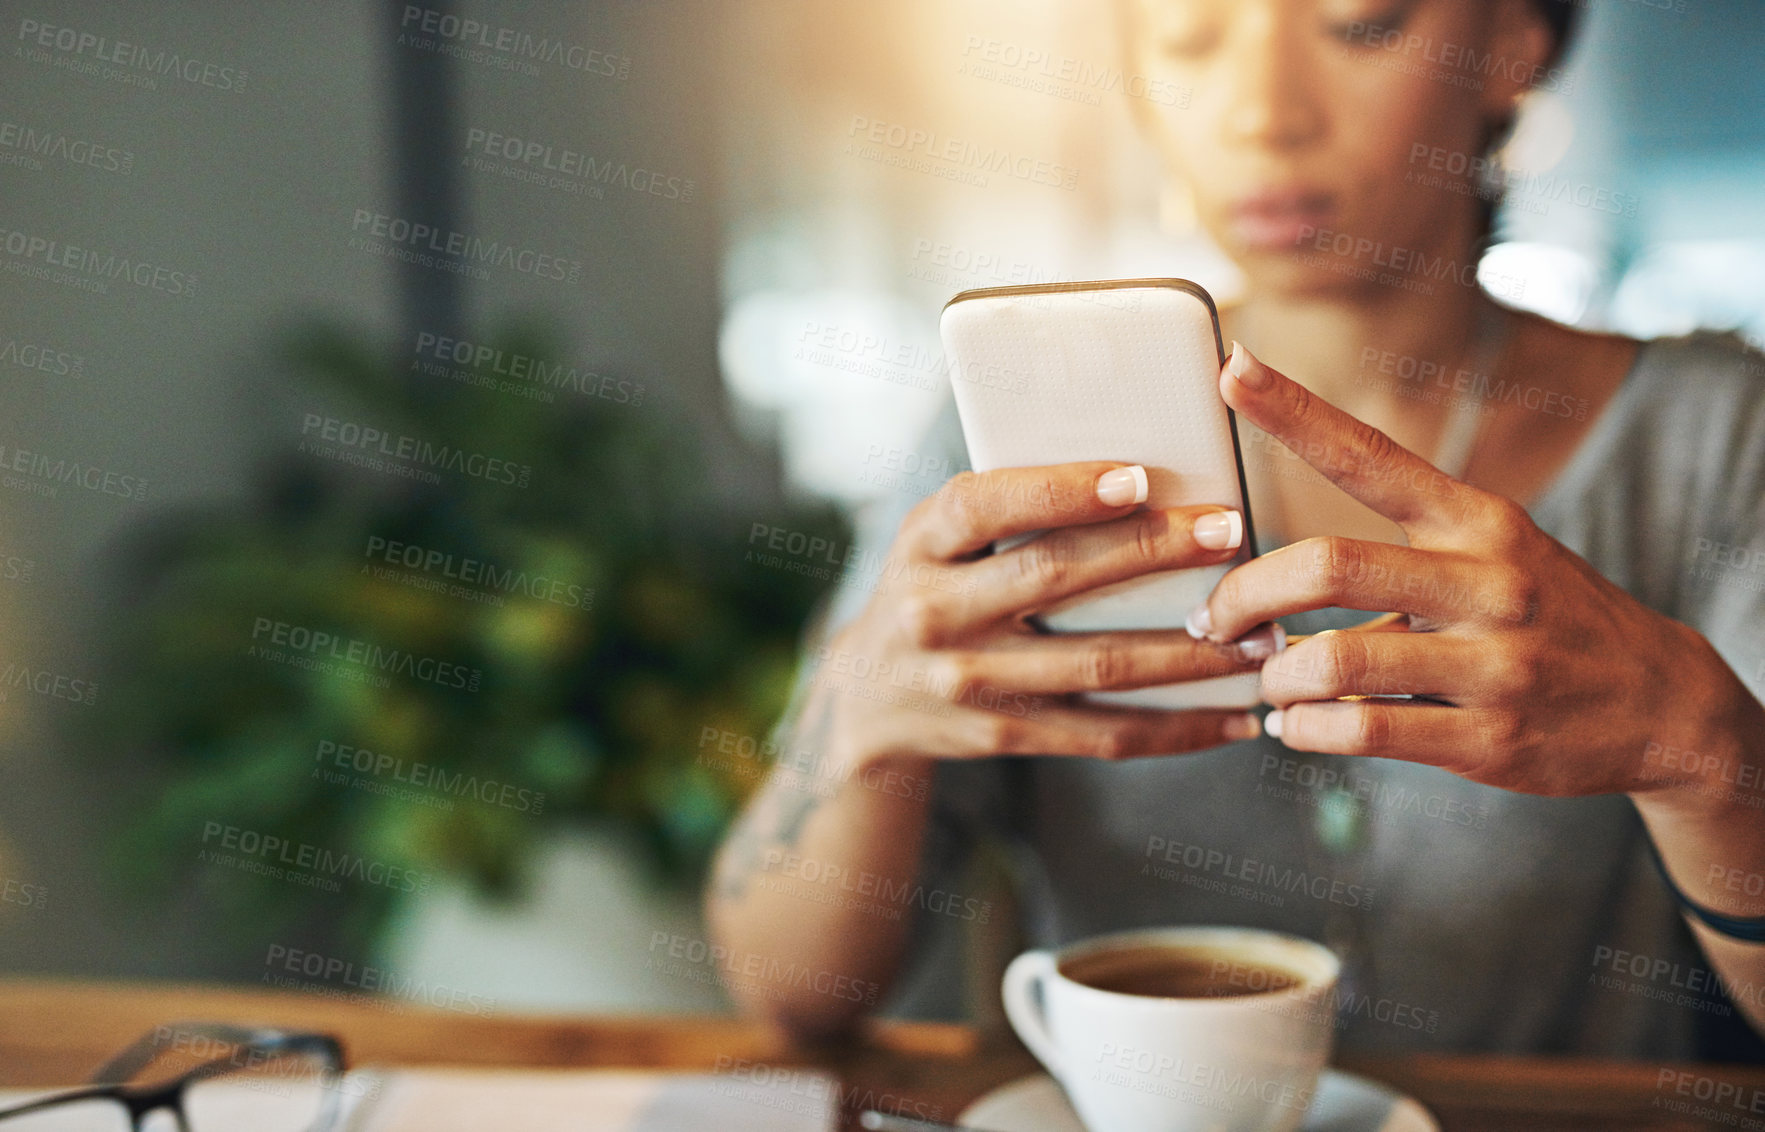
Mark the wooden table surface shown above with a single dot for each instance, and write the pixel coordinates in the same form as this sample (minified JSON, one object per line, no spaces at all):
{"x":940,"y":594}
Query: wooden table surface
{"x":56,"y":1032}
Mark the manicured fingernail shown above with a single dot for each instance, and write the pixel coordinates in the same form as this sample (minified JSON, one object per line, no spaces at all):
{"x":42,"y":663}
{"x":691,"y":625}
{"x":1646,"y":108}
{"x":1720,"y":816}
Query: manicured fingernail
{"x":1199,"y":622}
{"x":1120,"y":487}
{"x":1246,"y":369}
{"x":1261,"y":642}
{"x":1238,"y":727}
{"x":1272,"y":724}
{"x":1219,"y":530}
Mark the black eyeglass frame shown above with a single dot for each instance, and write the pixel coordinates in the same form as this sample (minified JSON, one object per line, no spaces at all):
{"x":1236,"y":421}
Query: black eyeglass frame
{"x":140,"y":1100}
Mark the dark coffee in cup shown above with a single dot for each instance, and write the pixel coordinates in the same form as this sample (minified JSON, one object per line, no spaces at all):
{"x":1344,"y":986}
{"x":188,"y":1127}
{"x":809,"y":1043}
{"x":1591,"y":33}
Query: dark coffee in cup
{"x":1177,"y":972}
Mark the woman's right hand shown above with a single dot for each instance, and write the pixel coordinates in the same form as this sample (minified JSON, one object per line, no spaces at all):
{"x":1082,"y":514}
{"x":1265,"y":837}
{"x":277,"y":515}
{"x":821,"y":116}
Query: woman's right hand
{"x":942,"y":664}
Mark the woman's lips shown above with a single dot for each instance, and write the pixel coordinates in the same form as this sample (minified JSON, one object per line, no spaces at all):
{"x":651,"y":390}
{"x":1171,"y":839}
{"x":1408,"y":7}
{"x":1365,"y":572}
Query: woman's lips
{"x":1280,"y":219}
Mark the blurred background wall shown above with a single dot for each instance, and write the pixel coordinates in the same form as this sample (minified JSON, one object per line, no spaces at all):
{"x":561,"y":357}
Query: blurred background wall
{"x":753,"y":287}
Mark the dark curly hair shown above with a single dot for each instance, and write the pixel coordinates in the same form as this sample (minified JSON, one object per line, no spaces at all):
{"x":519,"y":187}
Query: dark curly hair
{"x":1562,"y":16}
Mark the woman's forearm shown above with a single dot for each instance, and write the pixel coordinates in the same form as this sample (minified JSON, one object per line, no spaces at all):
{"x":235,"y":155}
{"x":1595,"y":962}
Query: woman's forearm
{"x":811,"y":892}
{"x":1709,"y":825}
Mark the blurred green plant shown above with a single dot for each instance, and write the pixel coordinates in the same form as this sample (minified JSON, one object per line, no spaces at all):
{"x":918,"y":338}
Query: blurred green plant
{"x":589,"y":702}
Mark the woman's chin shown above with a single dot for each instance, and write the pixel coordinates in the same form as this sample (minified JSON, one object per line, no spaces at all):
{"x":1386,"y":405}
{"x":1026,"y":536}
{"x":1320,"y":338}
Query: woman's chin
{"x":1300,"y":275}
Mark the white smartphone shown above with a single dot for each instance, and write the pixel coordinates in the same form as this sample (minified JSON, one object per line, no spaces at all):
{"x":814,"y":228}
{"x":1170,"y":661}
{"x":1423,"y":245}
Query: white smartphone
{"x":1120,"y":369}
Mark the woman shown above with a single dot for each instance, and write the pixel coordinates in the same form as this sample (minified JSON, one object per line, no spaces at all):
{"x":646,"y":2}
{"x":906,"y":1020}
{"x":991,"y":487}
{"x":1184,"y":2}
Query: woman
{"x":1555,"y":548}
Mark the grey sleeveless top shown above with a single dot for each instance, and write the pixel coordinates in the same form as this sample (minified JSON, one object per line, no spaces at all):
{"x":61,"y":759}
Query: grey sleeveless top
{"x":1470,"y":918}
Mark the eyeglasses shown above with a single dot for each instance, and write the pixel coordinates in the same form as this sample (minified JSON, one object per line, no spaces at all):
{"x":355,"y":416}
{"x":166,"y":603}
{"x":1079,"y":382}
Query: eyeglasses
{"x":254,"y":1078}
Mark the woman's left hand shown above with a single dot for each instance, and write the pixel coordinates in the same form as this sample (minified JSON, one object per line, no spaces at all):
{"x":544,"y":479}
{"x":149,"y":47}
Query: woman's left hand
{"x":1554,"y":680}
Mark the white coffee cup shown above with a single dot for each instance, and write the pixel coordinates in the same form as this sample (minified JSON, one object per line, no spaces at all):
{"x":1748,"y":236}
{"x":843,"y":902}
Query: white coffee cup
{"x":1244,"y":1059}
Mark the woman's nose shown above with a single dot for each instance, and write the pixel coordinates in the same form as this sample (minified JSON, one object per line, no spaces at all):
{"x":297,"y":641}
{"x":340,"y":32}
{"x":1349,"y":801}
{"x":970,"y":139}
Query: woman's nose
{"x":1273,"y":99}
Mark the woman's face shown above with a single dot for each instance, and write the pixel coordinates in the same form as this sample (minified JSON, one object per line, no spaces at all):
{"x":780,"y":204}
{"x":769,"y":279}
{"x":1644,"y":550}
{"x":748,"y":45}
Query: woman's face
{"x":1318,"y":136}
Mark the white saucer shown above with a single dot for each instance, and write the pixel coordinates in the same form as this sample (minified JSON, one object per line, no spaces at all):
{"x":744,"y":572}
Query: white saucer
{"x":1344,"y":1102}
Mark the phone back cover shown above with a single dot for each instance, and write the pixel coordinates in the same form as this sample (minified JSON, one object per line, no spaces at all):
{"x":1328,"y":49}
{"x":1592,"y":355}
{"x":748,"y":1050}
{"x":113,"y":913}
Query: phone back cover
{"x":1121,"y":373}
